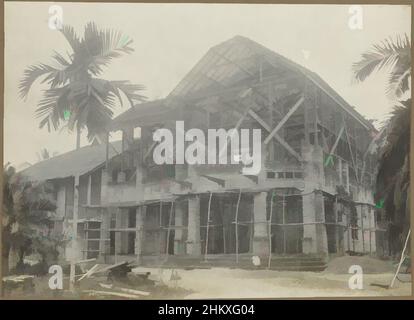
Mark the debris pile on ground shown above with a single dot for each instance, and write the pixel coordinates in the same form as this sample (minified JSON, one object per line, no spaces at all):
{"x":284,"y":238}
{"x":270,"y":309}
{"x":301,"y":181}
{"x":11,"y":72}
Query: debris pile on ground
{"x":369,"y":265}
{"x":24,"y":283}
{"x":119,"y":281}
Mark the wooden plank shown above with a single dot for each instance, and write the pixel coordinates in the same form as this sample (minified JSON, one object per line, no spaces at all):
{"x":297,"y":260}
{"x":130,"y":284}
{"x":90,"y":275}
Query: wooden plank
{"x":87,"y":260}
{"x":132,"y":291}
{"x":89,"y":272}
{"x":111,"y":293}
{"x":285,"y":118}
{"x":112,"y":266}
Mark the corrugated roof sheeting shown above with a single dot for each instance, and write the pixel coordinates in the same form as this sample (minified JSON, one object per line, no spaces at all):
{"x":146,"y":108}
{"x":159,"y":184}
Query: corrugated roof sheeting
{"x":76,"y":162}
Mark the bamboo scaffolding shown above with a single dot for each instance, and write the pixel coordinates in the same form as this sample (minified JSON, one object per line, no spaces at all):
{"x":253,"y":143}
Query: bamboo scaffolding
{"x":208,"y":222}
{"x":237,"y":226}
{"x":249,"y":223}
{"x":269,"y":261}
{"x":169,"y":229}
{"x":283,"y":223}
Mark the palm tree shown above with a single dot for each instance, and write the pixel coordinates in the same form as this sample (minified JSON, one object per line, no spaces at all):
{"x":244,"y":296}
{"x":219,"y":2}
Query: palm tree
{"x":394,"y":54}
{"x":25,"y":212}
{"x":393,"y":184}
{"x":76,"y":93}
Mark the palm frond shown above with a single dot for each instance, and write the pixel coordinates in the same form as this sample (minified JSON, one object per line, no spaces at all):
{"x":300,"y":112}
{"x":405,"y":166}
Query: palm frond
{"x":54,"y":76}
{"x":30,"y":75}
{"x":130,"y":90}
{"x":71,"y":36}
{"x":103,"y":46}
{"x":52,"y":107}
{"x":398,"y":83}
{"x":389,"y":53}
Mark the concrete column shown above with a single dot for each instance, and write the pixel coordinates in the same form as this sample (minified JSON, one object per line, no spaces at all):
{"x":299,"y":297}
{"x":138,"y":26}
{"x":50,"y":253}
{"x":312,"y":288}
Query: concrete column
{"x":89,"y":190}
{"x":118,"y":236}
{"x":127,"y":138}
{"x":104,"y":246}
{"x":124,"y":235}
{"x":359,"y":244}
{"x":179,"y":244}
{"x":314,"y":234}
{"x":260,"y":227}
{"x":139,"y":235}
{"x":105,"y":179}
{"x":193,"y":237}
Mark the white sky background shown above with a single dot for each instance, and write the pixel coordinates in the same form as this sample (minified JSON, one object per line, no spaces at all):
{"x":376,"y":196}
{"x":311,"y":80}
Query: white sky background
{"x":169,"y":39}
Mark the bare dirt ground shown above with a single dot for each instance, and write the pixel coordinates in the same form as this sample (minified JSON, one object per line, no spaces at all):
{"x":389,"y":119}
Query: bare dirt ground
{"x":238,"y":283}
{"x":213,"y":283}
{"x":333,"y":282}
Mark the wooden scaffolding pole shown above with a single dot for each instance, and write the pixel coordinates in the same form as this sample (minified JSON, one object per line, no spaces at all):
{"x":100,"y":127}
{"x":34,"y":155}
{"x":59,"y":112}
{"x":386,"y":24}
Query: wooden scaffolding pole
{"x":401,"y":260}
{"x":270,"y":230}
{"x":283,"y":221}
{"x":208,"y":222}
{"x":237,"y":227}
{"x":169,"y":230}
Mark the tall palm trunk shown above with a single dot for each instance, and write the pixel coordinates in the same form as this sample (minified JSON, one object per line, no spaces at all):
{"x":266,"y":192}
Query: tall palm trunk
{"x":78,"y":134}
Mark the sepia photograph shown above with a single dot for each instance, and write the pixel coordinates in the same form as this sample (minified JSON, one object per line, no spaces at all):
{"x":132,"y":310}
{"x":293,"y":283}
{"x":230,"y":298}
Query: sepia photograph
{"x":206,"y":151}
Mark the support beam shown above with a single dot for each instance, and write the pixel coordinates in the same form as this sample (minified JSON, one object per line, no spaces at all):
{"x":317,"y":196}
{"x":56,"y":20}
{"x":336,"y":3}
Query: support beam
{"x":238,"y":124}
{"x":346,"y":108}
{"x":285,"y":118}
{"x":338,"y":137}
{"x":367,"y":150}
{"x":279,"y":139}
{"x":220,"y":182}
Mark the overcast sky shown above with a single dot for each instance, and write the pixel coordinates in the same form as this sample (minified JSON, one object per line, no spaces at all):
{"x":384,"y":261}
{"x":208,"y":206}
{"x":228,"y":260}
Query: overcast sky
{"x":169,"y":39}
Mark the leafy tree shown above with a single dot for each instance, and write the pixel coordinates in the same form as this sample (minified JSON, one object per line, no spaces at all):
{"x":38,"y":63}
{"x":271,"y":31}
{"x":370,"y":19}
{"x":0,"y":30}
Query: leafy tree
{"x":76,"y":92}
{"x":25,"y":218}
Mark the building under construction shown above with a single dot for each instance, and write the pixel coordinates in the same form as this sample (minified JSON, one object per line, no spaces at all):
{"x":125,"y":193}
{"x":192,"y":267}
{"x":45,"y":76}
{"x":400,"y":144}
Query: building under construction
{"x":312,"y":199}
